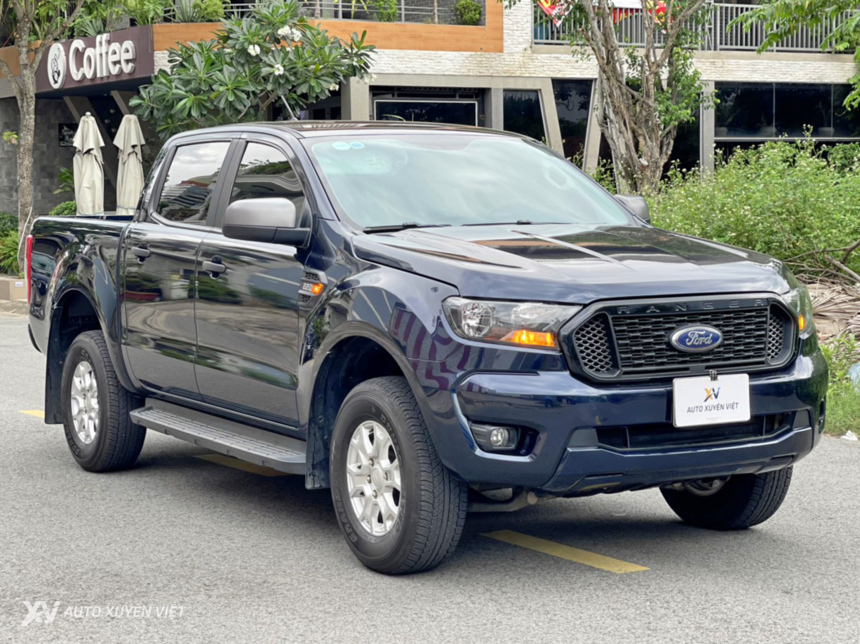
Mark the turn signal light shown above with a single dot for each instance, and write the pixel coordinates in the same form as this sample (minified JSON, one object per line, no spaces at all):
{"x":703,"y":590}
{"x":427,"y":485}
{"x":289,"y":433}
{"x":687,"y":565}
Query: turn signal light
{"x":531,"y":338}
{"x":801,"y":323}
{"x":317,"y":288}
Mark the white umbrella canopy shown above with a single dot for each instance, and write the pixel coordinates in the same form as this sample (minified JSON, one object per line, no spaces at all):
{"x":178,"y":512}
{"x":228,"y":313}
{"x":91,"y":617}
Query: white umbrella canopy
{"x":129,"y":176}
{"x":89,"y":169}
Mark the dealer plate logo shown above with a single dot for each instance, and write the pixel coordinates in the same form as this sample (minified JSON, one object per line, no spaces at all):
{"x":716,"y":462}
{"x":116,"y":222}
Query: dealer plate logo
{"x":696,"y":338}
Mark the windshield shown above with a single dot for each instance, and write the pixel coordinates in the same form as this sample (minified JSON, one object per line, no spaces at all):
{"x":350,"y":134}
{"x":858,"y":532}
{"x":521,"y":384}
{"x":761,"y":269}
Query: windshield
{"x":456,"y":179}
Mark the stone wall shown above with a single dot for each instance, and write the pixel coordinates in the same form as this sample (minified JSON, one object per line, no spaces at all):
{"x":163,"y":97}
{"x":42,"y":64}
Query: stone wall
{"x":48,"y":156}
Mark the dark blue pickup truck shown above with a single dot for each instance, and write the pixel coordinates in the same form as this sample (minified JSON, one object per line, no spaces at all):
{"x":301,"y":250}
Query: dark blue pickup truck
{"x":415,"y":316}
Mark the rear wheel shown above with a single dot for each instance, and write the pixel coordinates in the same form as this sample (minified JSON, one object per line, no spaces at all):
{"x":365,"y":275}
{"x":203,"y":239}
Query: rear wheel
{"x":96,"y":408}
{"x":399,"y":508}
{"x":732,"y":504}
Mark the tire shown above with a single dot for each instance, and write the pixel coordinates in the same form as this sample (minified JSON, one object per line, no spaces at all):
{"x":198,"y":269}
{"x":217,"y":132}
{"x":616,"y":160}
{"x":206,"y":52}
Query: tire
{"x":431,"y":504}
{"x":742,"y":502}
{"x":116,"y":442}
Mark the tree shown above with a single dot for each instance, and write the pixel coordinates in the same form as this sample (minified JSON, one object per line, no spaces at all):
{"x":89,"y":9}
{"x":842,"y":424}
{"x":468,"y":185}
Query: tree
{"x":36,"y":25}
{"x":782,"y":18}
{"x":270,"y":55}
{"x":646,"y":89}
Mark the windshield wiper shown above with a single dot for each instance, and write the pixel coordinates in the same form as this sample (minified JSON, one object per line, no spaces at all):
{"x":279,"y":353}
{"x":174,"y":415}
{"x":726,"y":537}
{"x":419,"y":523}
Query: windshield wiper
{"x":519,"y":222}
{"x":393,"y":228}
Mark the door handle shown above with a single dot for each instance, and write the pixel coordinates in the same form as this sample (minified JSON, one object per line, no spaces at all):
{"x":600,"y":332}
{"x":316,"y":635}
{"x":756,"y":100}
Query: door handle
{"x":141,"y":252}
{"x":214,"y":268}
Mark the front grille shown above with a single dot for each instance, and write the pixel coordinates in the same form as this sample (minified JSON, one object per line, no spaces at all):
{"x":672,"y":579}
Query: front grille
{"x":643,"y":341}
{"x":619,"y":341}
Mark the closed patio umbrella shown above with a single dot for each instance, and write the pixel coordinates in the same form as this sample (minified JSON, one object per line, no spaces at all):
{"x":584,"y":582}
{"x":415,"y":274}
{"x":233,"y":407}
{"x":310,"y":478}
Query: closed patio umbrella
{"x":129,"y":176}
{"x":89,"y":169}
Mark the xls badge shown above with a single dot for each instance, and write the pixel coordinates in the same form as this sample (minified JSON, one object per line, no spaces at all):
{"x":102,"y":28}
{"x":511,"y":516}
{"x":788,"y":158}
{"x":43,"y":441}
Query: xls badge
{"x":696,"y":338}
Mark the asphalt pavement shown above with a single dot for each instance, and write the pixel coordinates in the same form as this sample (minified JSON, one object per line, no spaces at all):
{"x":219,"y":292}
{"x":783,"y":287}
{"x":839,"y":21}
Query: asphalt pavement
{"x":190,"y":549}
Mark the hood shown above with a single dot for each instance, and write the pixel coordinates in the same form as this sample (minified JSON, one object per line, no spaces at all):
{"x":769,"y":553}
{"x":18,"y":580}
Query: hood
{"x":575,"y":264}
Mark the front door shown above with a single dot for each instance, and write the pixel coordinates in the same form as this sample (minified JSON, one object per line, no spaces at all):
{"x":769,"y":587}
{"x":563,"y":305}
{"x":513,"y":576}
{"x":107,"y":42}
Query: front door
{"x":247,"y":308}
{"x":159,"y":270}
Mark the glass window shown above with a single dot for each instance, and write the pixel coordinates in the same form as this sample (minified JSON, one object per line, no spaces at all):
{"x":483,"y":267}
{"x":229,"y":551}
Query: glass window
{"x":266,"y":172}
{"x":522,"y":113}
{"x":845,"y":122}
{"x":572,"y":100}
{"x":745,"y":109}
{"x":802,"y":106}
{"x":455,"y":179}
{"x":455,"y":112}
{"x":191,"y":180}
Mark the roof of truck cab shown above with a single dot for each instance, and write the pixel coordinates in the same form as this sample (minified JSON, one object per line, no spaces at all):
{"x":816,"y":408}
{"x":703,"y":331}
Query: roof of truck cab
{"x":313,"y":129}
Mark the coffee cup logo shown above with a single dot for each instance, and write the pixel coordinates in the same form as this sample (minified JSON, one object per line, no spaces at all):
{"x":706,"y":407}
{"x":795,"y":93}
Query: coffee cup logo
{"x":56,"y":65}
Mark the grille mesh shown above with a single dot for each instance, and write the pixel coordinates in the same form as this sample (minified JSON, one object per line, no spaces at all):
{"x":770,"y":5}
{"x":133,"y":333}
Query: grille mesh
{"x":593,"y":344}
{"x":776,"y":333}
{"x":635,"y":346}
{"x":643,"y":341}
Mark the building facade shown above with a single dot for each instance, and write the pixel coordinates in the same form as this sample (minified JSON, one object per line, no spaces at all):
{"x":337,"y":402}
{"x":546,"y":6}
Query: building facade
{"x":514,"y":71}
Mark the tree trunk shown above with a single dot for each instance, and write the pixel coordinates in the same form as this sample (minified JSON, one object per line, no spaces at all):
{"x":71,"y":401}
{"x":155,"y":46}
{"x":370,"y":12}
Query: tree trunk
{"x":26,"y":137}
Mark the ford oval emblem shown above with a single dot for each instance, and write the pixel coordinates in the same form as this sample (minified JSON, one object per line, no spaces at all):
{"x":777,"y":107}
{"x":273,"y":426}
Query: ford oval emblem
{"x":696,"y":338}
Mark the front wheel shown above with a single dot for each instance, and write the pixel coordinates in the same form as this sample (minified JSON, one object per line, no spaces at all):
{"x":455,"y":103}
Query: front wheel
{"x":400,"y":509}
{"x":734,"y":504}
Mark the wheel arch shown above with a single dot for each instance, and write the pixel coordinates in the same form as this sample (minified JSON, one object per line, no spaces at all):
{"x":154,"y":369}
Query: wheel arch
{"x":356,"y":352}
{"x":74,"y":313}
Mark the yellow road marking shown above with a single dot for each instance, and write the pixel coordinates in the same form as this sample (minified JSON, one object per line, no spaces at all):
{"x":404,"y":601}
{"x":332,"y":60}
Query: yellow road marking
{"x":565,"y":552}
{"x":236,"y":464}
{"x":38,"y":413}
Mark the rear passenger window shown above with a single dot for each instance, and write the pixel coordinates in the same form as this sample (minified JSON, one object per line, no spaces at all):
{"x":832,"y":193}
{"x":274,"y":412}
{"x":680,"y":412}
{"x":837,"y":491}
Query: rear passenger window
{"x":191,"y":180}
{"x":266,"y":172}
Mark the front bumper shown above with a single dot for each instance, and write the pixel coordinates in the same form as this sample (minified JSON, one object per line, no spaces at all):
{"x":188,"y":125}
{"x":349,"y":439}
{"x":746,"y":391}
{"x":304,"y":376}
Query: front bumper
{"x":567,"y":413}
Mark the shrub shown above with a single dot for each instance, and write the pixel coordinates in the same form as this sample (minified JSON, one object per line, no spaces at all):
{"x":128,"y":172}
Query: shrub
{"x":199,"y":10}
{"x":145,"y":12}
{"x":65,"y":209}
{"x":9,"y":253}
{"x":468,"y":12}
{"x":386,"y":10}
{"x":8,"y":222}
{"x":782,"y":199}
{"x":843,"y":398}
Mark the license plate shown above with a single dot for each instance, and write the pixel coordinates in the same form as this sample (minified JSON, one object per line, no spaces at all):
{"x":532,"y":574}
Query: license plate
{"x":703,"y":401}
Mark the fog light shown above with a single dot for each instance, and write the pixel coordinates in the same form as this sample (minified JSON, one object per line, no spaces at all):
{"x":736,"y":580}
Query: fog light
{"x":493,"y":438}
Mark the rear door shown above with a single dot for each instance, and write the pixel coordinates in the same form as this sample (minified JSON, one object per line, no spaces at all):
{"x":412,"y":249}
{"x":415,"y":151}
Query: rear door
{"x":248,"y":312}
{"x":159,"y":267}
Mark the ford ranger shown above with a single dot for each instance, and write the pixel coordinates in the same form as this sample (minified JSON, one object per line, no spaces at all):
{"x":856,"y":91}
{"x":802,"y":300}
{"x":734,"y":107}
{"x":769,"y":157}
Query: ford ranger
{"x":424,"y":319}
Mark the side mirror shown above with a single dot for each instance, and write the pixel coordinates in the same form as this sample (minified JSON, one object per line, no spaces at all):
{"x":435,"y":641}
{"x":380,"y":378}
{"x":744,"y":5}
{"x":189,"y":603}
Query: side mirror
{"x":635,"y":204}
{"x":269,"y":219}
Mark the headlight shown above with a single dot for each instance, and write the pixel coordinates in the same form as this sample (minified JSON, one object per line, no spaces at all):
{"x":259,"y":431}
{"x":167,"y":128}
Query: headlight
{"x":800,"y":302}
{"x":521,"y":323}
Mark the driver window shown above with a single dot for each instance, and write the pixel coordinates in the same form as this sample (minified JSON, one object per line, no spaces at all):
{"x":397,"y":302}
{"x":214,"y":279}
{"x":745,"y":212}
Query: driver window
{"x":266,"y":172}
{"x":190,"y":182}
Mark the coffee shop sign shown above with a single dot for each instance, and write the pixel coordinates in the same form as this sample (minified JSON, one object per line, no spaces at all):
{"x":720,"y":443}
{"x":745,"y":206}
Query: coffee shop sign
{"x":117,"y":57}
{"x":105,"y":59}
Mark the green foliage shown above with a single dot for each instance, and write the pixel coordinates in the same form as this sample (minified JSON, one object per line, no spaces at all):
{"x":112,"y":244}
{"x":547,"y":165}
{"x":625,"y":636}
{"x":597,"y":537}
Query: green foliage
{"x":9,"y":253}
{"x":65,"y":209}
{"x":10,"y":137}
{"x":780,"y":19}
{"x":782,"y":199}
{"x":270,"y":55}
{"x":386,"y":10}
{"x":97,"y":17}
{"x":843,"y":397}
{"x":66,"y":181}
{"x":145,"y":12}
{"x":199,"y":10}
{"x":8,"y":222}
{"x":468,"y":12}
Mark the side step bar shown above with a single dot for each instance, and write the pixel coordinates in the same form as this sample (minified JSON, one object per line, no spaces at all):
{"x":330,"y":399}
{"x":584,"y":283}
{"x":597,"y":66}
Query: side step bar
{"x":250,"y":444}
